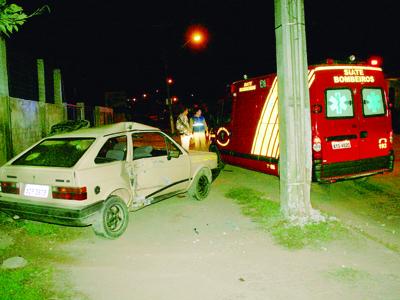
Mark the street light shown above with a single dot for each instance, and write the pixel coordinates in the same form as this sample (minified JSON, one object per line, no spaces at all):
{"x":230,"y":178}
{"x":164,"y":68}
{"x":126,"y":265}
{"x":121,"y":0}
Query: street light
{"x":196,"y":36}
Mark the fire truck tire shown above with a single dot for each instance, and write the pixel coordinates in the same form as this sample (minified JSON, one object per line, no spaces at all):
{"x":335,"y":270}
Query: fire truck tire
{"x":200,"y":187}
{"x":112,"y":220}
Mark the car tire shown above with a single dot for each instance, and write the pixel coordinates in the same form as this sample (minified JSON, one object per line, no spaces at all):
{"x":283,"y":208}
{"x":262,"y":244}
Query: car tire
{"x":113,"y":218}
{"x":200,"y":187}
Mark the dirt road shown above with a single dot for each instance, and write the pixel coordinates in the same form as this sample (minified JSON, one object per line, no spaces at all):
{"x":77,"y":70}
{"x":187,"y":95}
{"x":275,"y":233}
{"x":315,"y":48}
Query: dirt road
{"x":182,"y":249}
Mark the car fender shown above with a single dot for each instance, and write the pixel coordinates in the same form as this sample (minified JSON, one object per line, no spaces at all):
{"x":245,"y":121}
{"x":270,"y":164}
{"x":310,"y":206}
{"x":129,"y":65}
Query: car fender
{"x":199,"y":168}
{"x":124,"y":194}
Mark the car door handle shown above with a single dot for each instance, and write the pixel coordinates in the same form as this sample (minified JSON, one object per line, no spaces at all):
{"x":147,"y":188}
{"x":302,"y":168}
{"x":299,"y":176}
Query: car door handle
{"x":363,"y":134}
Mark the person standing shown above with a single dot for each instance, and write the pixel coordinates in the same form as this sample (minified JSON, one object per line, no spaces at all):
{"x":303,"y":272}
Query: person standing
{"x":199,"y":129}
{"x":182,"y":125}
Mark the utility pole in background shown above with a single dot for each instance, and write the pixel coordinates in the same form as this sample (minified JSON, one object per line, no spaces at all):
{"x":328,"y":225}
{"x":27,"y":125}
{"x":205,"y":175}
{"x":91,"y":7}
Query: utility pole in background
{"x":294,"y":110}
{"x":168,"y":82}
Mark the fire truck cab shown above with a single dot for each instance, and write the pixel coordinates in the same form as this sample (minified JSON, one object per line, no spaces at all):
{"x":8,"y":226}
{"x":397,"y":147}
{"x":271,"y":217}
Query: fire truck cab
{"x":351,"y":124}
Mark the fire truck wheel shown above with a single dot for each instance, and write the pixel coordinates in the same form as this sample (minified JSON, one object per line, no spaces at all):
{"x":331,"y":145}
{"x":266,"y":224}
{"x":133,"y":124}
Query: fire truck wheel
{"x":221,"y":165}
{"x":112,"y":220}
{"x":200,"y":187}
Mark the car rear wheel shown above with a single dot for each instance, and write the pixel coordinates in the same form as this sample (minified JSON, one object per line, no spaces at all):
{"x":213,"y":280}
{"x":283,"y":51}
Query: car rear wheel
{"x":200,"y":187}
{"x":112,"y":219}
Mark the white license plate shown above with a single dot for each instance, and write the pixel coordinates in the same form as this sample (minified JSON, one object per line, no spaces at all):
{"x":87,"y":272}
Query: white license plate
{"x":341,"y":144}
{"x":36,"y":190}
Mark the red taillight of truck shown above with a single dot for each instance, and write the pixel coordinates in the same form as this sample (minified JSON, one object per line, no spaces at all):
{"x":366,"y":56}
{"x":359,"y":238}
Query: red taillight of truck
{"x":317,"y":147}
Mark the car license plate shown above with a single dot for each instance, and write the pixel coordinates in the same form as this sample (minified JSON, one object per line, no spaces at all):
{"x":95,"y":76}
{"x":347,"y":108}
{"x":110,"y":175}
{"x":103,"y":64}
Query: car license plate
{"x":341,"y":144}
{"x":35,"y":190}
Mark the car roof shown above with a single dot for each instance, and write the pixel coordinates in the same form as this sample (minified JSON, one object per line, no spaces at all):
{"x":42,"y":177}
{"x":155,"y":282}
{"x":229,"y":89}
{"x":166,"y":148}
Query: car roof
{"x":105,"y":130}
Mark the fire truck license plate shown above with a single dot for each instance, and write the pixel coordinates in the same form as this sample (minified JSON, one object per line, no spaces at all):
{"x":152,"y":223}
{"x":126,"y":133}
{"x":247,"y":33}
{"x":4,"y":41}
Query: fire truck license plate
{"x":341,"y":145}
{"x":35,"y":190}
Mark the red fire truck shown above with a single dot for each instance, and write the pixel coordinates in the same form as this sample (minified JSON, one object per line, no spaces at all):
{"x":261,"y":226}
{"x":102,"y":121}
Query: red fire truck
{"x":351,"y":124}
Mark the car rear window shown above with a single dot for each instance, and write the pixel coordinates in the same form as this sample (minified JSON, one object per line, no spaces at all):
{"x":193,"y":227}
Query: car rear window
{"x":63,"y":153}
{"x":373,"y":104}
{"x":339,"y":103}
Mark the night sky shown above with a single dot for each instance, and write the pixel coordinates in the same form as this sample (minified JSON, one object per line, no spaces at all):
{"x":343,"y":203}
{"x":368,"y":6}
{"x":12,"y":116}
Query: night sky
{"x":119,"y":45}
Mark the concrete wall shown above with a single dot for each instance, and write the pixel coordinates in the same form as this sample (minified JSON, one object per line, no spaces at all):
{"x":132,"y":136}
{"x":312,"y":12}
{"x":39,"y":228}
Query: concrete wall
{"x":54,"y":114}
{"x":32,"y":120}
{"x":3,"y":130}
{"x":26,"y":124}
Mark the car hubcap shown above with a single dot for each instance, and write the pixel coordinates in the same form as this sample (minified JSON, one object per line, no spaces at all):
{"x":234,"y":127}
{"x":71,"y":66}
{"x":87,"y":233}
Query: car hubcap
{"x":114,"y":218}
{"x":202,"y":186}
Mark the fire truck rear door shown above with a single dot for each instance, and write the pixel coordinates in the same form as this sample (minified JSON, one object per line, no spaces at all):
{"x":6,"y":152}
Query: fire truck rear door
{"x":340,"y":127}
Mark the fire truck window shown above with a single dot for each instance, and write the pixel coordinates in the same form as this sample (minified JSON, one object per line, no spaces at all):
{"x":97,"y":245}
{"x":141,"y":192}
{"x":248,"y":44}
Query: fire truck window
{"x":339,"y":103}
{"x":373,"y":104}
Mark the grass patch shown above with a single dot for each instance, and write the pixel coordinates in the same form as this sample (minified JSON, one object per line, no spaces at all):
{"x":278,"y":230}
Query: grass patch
{"x":348,"y":275}
{"x":267,"y":213}
{"x":37,"y":243}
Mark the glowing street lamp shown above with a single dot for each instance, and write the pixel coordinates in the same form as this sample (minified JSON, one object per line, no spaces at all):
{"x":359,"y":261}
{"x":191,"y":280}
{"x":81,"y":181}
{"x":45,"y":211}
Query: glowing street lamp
{"x":196,"y":36}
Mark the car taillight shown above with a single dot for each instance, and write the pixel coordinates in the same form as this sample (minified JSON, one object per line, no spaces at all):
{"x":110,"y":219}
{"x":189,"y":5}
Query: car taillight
{"x":391,"y":137}
{"x":69,"y":193}
{"x":9,"y":187}
{"x":317,"y":147}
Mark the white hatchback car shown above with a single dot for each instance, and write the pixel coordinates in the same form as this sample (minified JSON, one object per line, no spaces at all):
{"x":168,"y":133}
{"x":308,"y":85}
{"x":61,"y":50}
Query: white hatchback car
{"x":94,"y":176}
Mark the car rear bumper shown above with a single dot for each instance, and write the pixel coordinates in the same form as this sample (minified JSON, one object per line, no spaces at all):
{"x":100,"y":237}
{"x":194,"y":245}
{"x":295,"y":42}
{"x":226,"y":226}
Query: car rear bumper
{"x":81,"y":216}
{"x":352,"y":169}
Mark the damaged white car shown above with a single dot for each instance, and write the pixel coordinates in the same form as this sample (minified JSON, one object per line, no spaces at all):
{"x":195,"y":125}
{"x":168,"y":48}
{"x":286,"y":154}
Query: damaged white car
{"x":95,"y":176}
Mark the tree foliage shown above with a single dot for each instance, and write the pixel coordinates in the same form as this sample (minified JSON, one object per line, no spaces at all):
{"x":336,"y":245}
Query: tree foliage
{"x":12,"y":16}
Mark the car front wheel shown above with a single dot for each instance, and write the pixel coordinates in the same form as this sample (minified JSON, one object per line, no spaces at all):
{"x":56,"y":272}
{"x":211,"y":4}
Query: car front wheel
{"x":112,"y":220}
{"x":200,"y":187}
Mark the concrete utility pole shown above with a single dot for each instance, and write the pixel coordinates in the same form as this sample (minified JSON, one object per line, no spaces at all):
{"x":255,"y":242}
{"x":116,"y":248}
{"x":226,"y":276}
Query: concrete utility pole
{"x":294,"y":110}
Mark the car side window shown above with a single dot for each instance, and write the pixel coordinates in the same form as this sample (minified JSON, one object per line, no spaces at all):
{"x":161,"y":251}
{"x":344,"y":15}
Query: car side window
{"x":171,"y":146}
{"x":148,"y":144}
{"x":113,"y":149}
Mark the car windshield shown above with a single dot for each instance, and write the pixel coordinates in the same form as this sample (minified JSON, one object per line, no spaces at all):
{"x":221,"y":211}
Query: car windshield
{"x":55,"y":153}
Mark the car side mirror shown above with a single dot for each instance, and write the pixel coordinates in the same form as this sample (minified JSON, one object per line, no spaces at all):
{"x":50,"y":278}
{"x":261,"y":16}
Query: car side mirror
{"x":173,"y":154}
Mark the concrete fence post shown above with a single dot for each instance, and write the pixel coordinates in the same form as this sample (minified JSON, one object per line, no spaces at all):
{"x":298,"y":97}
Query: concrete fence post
{"x":6,"y":148}
{"x":65,"y":115}
{"x":57,"y":81}
{"x":97,"y":116}
{"x":81,"y":106}
{"x":42,"y":95}
{"x":41,"y":80}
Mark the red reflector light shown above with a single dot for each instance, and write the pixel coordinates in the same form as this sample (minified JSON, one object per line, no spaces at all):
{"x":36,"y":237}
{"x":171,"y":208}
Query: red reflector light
{"x":69,"y":193}
{"x":9,"y":187}
{"x":316,"y":108}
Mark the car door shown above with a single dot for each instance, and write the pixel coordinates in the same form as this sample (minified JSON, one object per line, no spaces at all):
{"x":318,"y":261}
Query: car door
{"x":159,"y":165}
